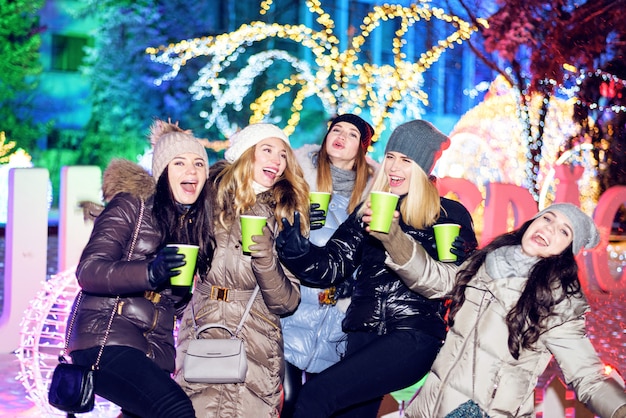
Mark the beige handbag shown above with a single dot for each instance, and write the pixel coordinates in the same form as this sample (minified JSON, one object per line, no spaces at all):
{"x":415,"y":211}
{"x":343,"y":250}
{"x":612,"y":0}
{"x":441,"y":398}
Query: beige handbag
{"x":217,"y":360}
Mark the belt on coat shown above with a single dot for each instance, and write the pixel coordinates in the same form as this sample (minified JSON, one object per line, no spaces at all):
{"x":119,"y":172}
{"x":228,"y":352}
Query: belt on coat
{"x":224,"y":293}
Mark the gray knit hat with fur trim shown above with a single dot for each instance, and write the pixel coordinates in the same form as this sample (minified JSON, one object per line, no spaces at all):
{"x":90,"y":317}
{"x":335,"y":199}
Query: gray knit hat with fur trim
{"x":250,"y":136}
{"x":168,"y":141}
{"x":420,"y":141}
{"x":585,"y":232}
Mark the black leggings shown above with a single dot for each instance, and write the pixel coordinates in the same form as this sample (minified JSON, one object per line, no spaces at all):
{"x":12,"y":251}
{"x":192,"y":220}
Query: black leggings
{"x":136,"y":384}
{"x":374,"y":365}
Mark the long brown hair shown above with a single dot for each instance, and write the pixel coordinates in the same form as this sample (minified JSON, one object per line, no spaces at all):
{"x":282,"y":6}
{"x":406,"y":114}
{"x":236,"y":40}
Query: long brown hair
{"x":550,"y":281}
{"x":363,"y":173}
{"x":193,"y":226}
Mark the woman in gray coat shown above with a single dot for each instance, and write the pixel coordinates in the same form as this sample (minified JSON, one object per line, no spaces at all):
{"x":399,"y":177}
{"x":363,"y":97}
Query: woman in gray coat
{"x":515,"y":304}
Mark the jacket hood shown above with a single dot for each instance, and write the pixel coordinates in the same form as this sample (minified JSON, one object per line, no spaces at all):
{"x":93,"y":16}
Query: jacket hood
{"x":121,"y":176}
{"x":126,"y":176}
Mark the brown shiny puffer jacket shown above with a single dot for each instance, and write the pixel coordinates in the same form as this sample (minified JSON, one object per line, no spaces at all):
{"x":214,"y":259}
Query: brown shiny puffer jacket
{"x":143,"y":319}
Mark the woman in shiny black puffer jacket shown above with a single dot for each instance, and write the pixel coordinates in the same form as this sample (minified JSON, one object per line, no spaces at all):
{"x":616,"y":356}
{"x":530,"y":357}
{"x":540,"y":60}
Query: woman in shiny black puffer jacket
{"x":381,"y":302}
{"x":385,"y":322}
{"x":393,"y":333}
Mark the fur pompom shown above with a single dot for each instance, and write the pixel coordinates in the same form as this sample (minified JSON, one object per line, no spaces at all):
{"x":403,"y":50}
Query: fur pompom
{"x":160,"y":128}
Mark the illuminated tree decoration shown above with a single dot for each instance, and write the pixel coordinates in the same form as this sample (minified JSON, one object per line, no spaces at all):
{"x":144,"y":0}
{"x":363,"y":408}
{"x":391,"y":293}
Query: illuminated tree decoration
{"x":5,"y":148}
{"x":391,"y":93}
{"x":42,"y":338}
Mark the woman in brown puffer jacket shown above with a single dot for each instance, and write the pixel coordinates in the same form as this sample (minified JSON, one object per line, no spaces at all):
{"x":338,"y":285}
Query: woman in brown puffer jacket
{"x":127,"y":257}
{"x":259,"y":177}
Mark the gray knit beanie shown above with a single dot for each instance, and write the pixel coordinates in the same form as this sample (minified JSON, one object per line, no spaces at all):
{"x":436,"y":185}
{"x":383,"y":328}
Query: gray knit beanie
{"x":585,"y":232}
{"x":250,"y":136}
{"x":420,"y":141}
{"x":168,"y":141}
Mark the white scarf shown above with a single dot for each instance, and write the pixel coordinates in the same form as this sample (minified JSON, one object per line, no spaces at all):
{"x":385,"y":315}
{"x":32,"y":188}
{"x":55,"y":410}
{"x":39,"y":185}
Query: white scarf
{"x":258,"y":188}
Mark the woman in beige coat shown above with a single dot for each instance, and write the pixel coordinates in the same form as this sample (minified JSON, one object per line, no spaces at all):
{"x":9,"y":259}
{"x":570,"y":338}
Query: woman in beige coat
{"x":259,"y":177}
{"x":515,"y":304}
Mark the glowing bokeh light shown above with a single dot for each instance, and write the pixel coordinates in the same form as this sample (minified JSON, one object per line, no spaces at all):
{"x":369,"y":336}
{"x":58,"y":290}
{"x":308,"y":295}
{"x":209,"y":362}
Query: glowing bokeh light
{"x":339,"y":80}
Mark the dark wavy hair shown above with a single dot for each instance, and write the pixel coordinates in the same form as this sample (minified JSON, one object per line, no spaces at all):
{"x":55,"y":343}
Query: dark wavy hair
{"x":191,"y":226}
{"x":550,"y":281}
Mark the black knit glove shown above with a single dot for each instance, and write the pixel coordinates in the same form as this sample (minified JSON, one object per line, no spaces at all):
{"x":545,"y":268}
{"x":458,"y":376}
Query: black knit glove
{"x":161,"y":268}
{"x":290,"y":243}
{"x":316,"y":216}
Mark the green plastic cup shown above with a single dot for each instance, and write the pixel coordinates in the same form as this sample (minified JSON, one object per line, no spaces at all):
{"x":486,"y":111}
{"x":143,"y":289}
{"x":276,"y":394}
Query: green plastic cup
{"x":321,"y":198}
{"x":383,"y":205}
{"x":251,"y":225}
{"x":185,"y":278}
{"x":444,"y":237}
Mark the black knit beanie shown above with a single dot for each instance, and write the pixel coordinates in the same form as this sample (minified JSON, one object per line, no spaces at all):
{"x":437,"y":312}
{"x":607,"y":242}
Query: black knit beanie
{"x":366,"y":130}
{"x":420,"y":141}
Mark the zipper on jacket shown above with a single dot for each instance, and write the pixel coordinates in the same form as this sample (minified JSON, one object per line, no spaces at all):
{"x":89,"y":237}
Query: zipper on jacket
{"x":155,"y":320}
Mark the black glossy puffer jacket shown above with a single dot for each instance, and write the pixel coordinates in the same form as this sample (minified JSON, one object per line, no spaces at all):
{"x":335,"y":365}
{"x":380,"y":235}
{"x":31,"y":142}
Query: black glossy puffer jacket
{"x":103,"y":272}
{"x":381,"y":302}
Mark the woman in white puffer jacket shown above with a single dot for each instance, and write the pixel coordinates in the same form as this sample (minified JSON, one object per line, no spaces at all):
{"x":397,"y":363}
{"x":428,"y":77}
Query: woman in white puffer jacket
{"x":313,"y":337}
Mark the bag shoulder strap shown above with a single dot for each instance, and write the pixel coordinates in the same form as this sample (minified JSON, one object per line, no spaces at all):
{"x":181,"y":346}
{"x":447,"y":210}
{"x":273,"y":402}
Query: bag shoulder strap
{"x":247,"y":311}
{"x":115,"y":304}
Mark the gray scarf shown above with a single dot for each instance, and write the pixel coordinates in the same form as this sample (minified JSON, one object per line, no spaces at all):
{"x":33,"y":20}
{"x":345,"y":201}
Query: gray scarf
{"x":343,"y":181}
{"x":509,"y":261}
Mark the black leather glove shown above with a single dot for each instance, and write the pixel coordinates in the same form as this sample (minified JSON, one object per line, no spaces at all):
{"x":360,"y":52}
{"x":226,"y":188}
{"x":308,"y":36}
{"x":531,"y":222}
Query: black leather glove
{"x":316,"y":216}
{"x":160,"y":269}
{"x":290,"y":243}
{"x":461,"y":248}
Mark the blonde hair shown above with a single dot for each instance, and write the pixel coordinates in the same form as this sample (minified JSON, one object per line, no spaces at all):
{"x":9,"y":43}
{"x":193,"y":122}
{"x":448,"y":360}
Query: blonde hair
{"x":361,"y":167}
{"x":422,"y":205}
{"x":235,"y":194}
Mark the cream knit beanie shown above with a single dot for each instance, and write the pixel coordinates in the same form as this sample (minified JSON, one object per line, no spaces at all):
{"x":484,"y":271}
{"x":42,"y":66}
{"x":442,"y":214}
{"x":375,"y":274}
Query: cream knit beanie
{"x":250,"y":136}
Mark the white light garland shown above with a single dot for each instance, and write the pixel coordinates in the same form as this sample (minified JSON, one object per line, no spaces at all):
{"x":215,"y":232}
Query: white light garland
{"x":42,"y":337}
{"x":340,"y":81}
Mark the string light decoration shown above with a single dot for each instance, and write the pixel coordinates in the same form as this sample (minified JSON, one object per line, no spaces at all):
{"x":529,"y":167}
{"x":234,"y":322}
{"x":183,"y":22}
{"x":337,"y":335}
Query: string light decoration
{"x":589,"y":185}
{"x":491,"y":132}
{"x":42,"y":337}
{"x":340,"y":80}
{"x":611,"y":86}
{"x":5,"y":148}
